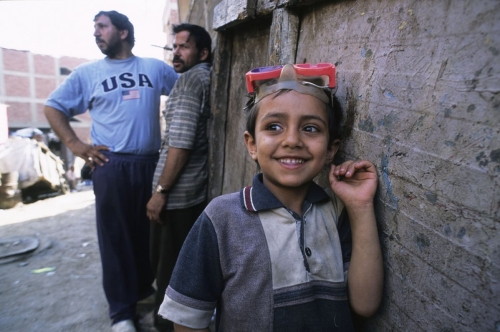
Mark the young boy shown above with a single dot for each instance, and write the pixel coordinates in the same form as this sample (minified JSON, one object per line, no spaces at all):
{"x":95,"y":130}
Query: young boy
{"x":283,"y":254}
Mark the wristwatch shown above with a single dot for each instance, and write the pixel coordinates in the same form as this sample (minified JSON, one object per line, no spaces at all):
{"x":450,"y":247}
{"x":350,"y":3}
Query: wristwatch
{"x":160,"y":190}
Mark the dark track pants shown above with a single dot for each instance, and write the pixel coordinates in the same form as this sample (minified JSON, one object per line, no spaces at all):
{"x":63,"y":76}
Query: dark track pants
{"x":122,"y":188}
{"x":166,"y":243}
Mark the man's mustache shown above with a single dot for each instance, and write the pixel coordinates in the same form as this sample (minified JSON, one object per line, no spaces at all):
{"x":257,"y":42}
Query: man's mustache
{"x":97,"y":40}
{"x":177,"y":58}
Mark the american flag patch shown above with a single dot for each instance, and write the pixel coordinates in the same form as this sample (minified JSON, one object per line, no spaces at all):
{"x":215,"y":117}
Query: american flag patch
{"x":130,"y":94}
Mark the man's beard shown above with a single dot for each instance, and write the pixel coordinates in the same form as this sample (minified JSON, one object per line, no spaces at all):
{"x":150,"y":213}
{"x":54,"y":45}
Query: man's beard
{"x":114,"y":46}
{"x":181,"y":69}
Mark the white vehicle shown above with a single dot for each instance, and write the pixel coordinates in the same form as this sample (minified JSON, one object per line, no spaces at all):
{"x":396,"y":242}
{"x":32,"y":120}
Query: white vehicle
{"x":29,"y":168}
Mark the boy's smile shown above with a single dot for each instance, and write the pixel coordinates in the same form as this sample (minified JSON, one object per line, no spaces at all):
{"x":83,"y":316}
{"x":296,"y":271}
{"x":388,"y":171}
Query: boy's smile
{"x":291,"y":142}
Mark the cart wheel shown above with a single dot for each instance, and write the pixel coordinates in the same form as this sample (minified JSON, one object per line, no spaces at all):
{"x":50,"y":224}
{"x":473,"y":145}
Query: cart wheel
{"x":64,"y":186}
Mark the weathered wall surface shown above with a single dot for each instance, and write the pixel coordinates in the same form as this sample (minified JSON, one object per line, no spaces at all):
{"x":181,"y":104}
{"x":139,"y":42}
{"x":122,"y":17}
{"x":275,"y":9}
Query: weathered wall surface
{"x":423,"y":78}
{"x":201,"y":12}
{"x":420,"y":81}
{"x":246,"y":53}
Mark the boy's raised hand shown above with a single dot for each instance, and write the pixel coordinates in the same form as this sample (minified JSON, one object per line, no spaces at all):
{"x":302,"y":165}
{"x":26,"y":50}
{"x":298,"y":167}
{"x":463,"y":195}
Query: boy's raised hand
{"x":354,"y":182}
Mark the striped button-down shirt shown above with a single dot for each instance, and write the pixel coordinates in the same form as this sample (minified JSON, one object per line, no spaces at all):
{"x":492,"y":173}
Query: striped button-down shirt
{"x":186,"y":115}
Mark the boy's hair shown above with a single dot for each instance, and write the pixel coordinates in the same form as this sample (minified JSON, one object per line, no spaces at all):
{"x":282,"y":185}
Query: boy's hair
{"x":121,"y":22}
{"x":201,"y":37}
{"x":333,"y":110}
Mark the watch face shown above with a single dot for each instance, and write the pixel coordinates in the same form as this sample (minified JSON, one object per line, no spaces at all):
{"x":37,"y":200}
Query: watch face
{"x":160,"y":190}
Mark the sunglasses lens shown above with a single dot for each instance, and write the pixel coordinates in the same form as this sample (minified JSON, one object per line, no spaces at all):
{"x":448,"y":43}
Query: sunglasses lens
{"x":265,"y":69}
{"x":322,"y":80}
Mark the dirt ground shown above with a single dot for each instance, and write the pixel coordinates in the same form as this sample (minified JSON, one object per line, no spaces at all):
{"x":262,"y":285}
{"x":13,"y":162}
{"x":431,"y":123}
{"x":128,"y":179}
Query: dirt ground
{"x":68,"y":296}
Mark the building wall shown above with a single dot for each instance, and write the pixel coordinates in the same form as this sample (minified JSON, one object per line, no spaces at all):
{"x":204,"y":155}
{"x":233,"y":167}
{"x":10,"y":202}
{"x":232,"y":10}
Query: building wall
{"x":26,"y":80}
{"x":422,"y":80}
{"x":170,"y":17}
{"x":419,"y":81}
{"x":180,"y":11}
{"x":4,"y":128}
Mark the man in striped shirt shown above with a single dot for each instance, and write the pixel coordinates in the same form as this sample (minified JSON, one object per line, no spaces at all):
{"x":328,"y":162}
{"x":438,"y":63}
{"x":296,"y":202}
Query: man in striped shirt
{"x":181,"y":176}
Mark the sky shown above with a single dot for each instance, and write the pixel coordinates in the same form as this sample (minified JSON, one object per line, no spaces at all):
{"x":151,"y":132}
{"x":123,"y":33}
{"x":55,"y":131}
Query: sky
{"x":65,"y":27}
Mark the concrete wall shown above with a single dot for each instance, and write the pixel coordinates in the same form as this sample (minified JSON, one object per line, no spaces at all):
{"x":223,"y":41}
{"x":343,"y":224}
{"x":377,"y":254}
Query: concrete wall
{"x":423,"y":79}
{"x":420,"y":82}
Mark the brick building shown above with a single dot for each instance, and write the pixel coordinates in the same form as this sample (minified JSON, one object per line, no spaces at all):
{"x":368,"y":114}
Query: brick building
{"x":26,"y":80}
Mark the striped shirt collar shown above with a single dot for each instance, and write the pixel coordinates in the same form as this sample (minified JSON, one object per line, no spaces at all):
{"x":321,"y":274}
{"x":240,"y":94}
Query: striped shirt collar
{"x":202,"y":66}
{"x":257,"y":197}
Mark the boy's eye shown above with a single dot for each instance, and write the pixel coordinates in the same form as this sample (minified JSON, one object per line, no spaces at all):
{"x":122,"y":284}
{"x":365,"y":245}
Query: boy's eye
{"x":311,"y":129}
{"x":273,"y":127}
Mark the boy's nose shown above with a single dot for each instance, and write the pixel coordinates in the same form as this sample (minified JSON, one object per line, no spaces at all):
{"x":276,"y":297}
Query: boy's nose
{"x":292,"y":139}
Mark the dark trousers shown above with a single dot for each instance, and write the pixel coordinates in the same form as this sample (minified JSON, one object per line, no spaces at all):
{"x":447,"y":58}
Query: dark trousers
{"x":122,"y":188}
{"x":166,"y":243}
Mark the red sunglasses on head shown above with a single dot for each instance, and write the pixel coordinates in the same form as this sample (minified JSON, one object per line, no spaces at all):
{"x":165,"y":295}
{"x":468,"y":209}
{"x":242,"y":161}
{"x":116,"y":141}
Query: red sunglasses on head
{"x":323,"y":73}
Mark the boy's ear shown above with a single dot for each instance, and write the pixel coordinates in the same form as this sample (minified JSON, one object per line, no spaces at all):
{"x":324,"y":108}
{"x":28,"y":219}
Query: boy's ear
{"x":251,"y":145}
{"x":332,"y":150}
